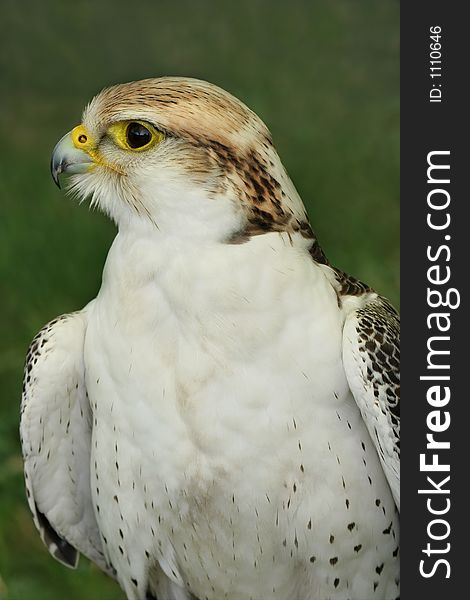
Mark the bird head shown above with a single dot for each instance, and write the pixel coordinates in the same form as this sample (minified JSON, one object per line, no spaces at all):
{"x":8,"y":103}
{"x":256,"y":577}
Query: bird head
{"x":180,"y":156}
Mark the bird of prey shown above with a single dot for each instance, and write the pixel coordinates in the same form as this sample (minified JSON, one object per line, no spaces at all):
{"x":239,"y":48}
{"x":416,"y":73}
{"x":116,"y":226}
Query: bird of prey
{"x":221,"y":421}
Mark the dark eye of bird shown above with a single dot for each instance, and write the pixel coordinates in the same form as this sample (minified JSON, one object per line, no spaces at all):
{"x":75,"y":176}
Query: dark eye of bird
{"x":137,"y":135}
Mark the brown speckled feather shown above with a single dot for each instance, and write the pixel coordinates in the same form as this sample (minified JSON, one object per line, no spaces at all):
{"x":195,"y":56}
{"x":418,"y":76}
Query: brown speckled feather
{"x":371,"y":355}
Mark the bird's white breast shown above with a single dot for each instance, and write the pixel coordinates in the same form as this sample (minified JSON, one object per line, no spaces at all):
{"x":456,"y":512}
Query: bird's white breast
{"x":226,"y":443}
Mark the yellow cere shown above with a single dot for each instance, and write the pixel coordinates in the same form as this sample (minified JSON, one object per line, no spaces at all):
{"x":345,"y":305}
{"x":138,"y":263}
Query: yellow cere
{"x":119,"y":132}
{"x":83,"y":141}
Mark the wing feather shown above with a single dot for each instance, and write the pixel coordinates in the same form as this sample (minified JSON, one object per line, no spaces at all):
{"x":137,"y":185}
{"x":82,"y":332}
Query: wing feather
{"x":55,"y":434}
{"x":371,"y":356}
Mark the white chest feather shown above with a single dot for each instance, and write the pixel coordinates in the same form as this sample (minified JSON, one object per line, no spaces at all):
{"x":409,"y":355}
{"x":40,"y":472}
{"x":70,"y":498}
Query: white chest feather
{"x":227,"y":446}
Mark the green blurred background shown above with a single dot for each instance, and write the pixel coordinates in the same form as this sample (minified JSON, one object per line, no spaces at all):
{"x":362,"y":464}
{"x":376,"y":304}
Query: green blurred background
{"x":324,"y":76}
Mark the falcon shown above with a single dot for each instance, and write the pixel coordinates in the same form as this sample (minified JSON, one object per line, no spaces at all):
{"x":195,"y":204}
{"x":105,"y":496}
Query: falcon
{"x":221,"y":421}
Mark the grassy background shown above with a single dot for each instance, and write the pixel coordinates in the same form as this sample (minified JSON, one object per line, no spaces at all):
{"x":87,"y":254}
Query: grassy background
{"x":323,"y":75}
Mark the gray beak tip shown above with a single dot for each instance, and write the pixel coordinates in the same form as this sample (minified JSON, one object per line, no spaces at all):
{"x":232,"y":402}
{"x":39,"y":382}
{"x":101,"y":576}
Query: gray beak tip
{"x":56,"y":170}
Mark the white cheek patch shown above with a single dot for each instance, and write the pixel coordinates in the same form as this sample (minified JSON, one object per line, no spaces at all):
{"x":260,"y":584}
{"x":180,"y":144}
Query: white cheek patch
{"x":180,"y":205}
{"x":159,"y":195}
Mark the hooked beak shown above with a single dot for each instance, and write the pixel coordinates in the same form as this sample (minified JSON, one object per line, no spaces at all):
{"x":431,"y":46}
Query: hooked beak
{"x":68,"y":157}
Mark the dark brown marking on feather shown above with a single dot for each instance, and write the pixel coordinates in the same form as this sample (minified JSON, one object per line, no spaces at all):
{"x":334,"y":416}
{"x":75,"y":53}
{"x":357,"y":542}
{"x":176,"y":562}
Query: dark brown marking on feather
{"x":388,"y":529}
{"x":261,"y":194}
{"x":378,"y":329}
{"x":64,"y":552}
{"x":347,"y":285}
{"x":350,"y":286}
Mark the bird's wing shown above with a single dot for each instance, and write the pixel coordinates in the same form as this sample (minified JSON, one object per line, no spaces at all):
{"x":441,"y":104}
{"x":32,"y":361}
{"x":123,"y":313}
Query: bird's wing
{"x":56,"y":442}
{"x":371,"y":357}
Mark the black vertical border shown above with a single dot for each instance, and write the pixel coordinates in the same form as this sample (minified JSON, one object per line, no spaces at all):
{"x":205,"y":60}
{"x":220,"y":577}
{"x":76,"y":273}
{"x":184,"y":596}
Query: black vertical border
{"x":426,"y":127}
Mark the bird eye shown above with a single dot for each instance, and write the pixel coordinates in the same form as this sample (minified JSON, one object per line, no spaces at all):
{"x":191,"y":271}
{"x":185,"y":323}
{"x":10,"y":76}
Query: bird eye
{"x":137,"y":135}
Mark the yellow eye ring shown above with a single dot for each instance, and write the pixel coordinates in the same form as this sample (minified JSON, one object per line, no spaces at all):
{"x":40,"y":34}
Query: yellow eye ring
{"x":135,"y":135}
